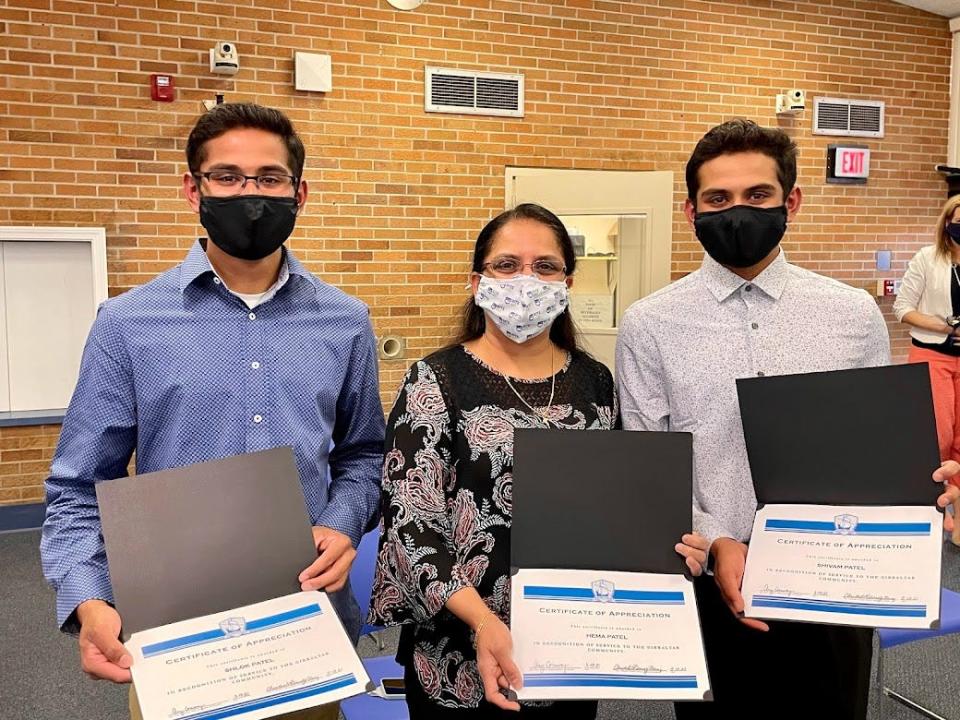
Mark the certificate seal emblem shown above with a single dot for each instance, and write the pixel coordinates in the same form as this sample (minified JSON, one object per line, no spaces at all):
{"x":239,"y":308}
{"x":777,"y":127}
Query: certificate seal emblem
{"x":234,"y":626}
{"x":602,"y":590}
{"x":845,"y":524}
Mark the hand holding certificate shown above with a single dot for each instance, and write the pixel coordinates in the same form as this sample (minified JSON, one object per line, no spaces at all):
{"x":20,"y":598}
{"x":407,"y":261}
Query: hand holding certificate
{"x":256,"y":662}
{"x":833,"y":542}
{"x":607,"y":634}
{"x":612,"y":615}
{"x":186,"y":546}
{"x":869,"y":566}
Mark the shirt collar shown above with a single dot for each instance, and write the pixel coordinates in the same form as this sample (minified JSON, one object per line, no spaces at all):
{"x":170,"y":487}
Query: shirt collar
{"x":198,"y":264}
{"x":722,"y":283}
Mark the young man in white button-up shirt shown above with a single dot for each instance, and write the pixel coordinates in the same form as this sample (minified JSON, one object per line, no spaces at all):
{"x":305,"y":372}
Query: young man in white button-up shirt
{"x":746,"y":312}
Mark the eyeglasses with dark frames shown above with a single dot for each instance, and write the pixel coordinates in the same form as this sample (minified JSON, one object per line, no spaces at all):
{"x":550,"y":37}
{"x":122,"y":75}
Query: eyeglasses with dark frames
{"x":268,"y":183}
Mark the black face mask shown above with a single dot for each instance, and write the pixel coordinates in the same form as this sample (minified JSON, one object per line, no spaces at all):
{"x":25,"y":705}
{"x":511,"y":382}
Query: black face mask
{"x":248,"y":226}
{"x":742,"y":235}
{"x":953,"y":231}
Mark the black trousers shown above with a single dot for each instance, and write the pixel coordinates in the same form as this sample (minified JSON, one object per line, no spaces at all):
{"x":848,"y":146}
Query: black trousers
{"x":796,"y":670}
{"x":422,"y":707}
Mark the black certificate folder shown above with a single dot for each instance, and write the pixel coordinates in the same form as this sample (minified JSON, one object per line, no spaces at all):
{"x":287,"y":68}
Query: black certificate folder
{"x":600,"y":500}
{"x":205,"y":538}
{"x":848,"y":437}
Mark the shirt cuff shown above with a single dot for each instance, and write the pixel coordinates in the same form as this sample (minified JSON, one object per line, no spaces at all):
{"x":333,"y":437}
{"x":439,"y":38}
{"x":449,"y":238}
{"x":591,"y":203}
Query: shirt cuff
{"x":77,"y":587}
{"x":438,"y":592}
{"x":709,"y":528}
{"x":340,"y":524}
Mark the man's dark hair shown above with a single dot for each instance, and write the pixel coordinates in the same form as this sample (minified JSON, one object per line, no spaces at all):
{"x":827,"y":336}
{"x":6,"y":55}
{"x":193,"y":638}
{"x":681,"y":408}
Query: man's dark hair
{"x":740,"y":135}
{"x":473,"y":321}
{"x":229,"y":116}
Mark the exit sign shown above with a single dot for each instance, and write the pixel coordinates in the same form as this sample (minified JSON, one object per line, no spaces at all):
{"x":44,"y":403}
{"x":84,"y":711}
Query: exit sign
{"x":848,"y":164}
{"x":852,"y":162}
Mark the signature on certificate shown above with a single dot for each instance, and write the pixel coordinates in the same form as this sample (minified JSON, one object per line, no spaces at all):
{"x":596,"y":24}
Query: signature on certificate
{"x":637,"y":668}
{"x":869,"y":597}
{"x":191,"y":709}
{"x":548,"y":666}
{"x":300,"y":682}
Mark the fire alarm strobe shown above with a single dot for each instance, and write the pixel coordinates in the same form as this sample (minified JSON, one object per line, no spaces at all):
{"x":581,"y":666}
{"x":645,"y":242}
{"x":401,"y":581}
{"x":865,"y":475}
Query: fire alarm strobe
{"x":161,"y":88}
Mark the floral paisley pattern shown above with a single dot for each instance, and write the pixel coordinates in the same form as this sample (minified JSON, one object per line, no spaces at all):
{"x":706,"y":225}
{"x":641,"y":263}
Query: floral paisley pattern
{"x":448,"y":500}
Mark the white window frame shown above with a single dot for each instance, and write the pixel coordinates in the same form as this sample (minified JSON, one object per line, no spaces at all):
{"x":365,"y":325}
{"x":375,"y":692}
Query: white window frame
{"x":97,"y":239}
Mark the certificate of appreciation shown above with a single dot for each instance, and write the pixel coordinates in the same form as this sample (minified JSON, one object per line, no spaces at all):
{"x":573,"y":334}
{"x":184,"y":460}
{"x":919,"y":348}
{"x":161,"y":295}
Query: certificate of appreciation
{"x":253,"y":662}
{"x":845,"y":565}
{"x":583,"y":634}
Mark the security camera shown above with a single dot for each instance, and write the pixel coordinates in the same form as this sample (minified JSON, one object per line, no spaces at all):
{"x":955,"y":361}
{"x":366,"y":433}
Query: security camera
{"x":791,"y":103}
{"x":224,"y":59}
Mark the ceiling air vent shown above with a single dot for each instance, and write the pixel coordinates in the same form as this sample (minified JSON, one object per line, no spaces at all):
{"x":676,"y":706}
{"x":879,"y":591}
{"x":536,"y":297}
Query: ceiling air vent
{"x":473,"y":93}
{"x":834,"y":116}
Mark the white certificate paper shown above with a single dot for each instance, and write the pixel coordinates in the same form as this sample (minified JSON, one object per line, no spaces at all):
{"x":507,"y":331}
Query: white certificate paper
{"x":582,"y":634}
{"x":253,"y":662}
{"x":843,"y":565}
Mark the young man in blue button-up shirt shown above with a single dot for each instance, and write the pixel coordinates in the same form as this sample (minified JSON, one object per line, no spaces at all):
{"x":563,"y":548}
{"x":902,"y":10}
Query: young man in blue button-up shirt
{"x":238,"y":349}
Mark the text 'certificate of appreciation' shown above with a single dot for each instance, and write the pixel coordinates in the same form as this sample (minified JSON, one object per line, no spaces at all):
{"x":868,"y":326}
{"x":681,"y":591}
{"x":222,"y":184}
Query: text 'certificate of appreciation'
{"x":583,"y":634}
{"x":253,"y":662}
{"x":845,"y":565}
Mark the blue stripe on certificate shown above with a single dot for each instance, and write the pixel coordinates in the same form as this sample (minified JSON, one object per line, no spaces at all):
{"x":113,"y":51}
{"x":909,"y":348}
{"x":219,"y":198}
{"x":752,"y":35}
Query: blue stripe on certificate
{"x":308,"y":691}
{"x":580,"y":594}
{"x":265,"y":623}
{"x":837,"y":606}
{"x":830,"y":528}
{"x":605,"y":680}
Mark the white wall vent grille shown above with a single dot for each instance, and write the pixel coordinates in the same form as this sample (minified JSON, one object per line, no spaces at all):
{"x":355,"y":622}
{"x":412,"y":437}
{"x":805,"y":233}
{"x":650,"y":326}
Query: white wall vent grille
{"x":473,"y":93}
{"x":860,"y":118}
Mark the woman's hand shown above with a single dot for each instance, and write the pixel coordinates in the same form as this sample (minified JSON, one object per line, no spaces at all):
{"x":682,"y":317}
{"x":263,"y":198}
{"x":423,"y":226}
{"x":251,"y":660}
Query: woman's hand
{"x":694,"y":547}
{"x":495,"y":661}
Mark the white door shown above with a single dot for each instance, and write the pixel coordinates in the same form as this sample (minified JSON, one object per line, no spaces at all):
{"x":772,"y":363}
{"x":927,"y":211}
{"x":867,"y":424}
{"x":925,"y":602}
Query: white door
{"x":623,"y":220}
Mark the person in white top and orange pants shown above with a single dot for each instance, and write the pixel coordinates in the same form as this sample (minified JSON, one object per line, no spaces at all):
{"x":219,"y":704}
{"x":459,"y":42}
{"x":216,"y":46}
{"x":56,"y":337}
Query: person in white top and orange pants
{"x":929,"y":301}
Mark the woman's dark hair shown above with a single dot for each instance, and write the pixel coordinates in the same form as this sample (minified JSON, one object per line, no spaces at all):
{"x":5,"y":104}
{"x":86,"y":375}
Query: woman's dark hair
{"x":230,"y":116}
{"x":737,"y":136}
{"x":473,"y":321}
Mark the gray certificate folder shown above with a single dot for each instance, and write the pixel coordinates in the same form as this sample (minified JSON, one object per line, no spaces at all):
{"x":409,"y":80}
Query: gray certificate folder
{"x":600,"y":500}
{"x":205,"y":538}
{"x":848,"y":437}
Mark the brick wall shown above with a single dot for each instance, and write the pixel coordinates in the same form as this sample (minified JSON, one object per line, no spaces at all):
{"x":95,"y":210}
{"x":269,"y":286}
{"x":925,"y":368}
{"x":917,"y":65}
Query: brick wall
{"x":398,"y":195}
{"x":24,"y":461}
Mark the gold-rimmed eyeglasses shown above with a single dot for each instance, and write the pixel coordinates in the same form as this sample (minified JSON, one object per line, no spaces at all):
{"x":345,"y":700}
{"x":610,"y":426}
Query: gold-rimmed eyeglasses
{"x":505,"y":268}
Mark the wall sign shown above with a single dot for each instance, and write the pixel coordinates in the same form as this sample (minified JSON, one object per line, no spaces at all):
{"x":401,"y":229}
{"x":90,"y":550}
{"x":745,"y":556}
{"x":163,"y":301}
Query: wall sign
{"x":848,"y":164}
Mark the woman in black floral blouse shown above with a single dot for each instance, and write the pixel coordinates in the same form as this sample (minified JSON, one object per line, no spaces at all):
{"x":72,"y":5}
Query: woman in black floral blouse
{"x":443,"y":565}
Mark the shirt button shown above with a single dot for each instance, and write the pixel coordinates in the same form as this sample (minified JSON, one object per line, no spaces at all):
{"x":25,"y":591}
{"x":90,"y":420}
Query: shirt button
{"x":754,"y":326}
{"x":760,"y":373}
{"x":255,"y":365}
{"x":216,"y":280}
{"x":748,"y":288}
{"x":258,"y":418}
{"x":252,"y":316}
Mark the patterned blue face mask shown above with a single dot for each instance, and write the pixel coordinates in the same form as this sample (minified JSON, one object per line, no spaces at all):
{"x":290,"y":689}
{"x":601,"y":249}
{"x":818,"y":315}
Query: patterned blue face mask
{"x":522,"y":306}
